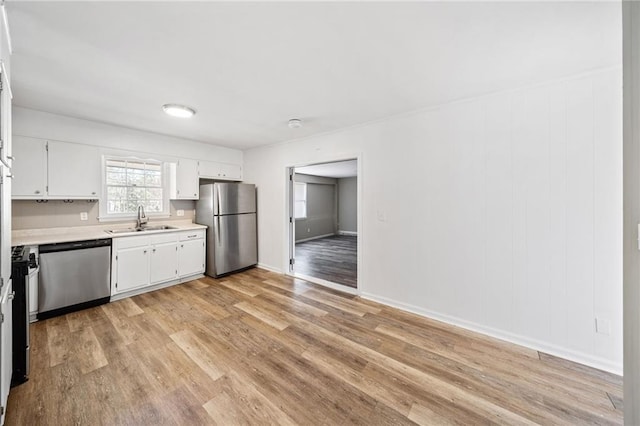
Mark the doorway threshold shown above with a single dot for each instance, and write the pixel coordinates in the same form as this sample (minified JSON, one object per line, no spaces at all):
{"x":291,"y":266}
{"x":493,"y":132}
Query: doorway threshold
{"x":334,"y":286}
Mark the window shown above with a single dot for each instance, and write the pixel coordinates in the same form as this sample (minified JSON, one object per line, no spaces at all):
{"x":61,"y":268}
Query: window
{"x":300,"y":210}
{"x":130,"y":183}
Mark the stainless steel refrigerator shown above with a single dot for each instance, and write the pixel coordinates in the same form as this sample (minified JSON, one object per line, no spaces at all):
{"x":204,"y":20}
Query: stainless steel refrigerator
{"x":229,"y":212}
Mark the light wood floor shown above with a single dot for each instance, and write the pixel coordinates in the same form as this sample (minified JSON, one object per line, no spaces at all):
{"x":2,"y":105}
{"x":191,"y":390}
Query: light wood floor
{"x":333,"y":258}
{"x":261,"y":348}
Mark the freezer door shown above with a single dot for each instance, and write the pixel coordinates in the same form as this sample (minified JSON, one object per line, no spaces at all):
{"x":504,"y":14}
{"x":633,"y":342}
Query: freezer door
{"x":234,"y":198}
{"x":234,"y":242}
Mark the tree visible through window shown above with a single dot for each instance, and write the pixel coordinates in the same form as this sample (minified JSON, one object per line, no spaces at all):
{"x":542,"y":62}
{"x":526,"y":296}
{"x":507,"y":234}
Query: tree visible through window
{"x":300,"y":200}
{"x":132,"y":183}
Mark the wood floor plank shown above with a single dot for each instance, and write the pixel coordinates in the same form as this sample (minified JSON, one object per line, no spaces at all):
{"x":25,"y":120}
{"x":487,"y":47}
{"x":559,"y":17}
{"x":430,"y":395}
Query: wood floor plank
{"x":264,"y":348}
{"x":90,"y":355}
{"x":339,"y":302}
{"x":263,"y":316}
{"x":189,"y":343}
{"x":59,"y":340}
{"x":241,"y":403}
{"x":426,"y":416}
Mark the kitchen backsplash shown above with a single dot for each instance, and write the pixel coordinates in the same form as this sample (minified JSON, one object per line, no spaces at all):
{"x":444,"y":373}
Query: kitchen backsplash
{"x":27,"y":214}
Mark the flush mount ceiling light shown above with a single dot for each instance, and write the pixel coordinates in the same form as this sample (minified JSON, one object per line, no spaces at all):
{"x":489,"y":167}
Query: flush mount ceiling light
{"x":295,"y":123}
{"x":176,"y":110}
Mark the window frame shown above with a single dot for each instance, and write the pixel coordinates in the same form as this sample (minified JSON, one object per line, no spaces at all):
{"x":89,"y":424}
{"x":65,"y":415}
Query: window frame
{"x":296,"y":200}
{"x":105,"y":216}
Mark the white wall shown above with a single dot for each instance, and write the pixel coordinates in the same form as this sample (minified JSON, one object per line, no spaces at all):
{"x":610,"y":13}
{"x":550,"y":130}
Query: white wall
{"x":631,"y":40}
{"x":321,"y":207}
{"x":38,"y":124}
{"x":348,"y":204}
{"x":502,"y":214}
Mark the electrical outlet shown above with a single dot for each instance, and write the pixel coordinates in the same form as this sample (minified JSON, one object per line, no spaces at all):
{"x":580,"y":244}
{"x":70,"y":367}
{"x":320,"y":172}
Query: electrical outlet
{"x":84,"y":216}
{"x":308,"y":230}
{"x":603,"y":326}
{"x":180,"y":212}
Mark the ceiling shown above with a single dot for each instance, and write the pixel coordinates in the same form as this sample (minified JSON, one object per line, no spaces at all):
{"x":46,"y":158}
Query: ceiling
{"x":247,"y":68}
{"x":339,"y":169}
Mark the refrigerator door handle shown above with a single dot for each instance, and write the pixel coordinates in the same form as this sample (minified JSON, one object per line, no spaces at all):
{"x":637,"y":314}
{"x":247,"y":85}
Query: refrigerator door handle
{"x":218,"y":228}
{"x":218,"y":194}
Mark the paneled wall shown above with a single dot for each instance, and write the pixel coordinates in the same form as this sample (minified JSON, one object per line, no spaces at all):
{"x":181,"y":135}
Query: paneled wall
{"x":502,"y":214}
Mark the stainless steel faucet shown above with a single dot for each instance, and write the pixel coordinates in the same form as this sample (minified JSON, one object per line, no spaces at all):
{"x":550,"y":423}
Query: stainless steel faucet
{"x":142,"y":218}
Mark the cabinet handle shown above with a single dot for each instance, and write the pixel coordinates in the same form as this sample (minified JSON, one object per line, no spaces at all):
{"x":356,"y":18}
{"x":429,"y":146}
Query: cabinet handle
{"x":10,"y":157}
{"x":11,"y":295}
{"x":154,"y":250}
{"x":195,"y":195}
{"x":93,"y":193}
{"x":181,"y":245}
{"x":144,"y":252}
{"x":192,"y":236}
{"x":36,"y":191}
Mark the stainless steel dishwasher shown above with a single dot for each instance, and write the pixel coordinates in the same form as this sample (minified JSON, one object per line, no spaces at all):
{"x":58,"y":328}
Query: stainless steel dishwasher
{"x":73,"y":276}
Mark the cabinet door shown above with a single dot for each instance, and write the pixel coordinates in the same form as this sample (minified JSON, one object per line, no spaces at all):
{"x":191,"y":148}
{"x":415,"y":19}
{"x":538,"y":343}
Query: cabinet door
{"x":6,"y":345}
{"x":209,"y":169}
{"x":219,"y":171}
{"x":187,"y":183}
{"x":132,"y":265}
{"x":164,"y":263}
{"x":231,"y":172}
{"x":29,"y":168}
{"x":74,"y":170}
{"x":190,"y":257}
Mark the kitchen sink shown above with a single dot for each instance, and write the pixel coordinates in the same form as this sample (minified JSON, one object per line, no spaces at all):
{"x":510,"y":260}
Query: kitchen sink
{"x":143,"y":229}
{"x":157,"y":228}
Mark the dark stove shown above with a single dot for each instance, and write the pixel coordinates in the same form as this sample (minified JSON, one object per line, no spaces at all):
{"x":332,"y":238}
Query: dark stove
{"x":21,"y":261}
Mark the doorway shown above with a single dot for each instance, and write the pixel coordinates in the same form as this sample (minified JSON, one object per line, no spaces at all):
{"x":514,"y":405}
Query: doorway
{"x":323,"y":218}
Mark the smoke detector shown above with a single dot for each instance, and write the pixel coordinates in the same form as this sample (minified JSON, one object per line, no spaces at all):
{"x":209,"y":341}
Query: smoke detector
{"x":295,"y":123}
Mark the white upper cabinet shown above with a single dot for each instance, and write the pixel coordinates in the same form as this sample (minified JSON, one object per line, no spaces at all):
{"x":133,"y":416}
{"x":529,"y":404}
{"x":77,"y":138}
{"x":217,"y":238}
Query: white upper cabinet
{"x":219,"y":171}
{"x":55,"y":170}
{"x":74,"y":170}
{"x":29,"y":168}
{"x":184,"y":180}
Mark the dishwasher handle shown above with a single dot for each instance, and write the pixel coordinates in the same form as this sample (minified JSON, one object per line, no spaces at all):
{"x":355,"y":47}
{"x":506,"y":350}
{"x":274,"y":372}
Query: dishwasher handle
{"x":75,"y":245}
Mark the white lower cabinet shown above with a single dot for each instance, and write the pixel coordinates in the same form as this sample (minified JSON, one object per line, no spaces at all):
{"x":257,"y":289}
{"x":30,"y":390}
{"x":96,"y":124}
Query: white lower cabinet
{"x":191,"y":257}
{"x":163,"y":263}
{"x":142,"y":261}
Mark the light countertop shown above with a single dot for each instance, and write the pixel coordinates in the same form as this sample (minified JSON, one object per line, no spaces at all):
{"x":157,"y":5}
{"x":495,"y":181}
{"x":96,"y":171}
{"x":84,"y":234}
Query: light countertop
{"x":24,"y":237}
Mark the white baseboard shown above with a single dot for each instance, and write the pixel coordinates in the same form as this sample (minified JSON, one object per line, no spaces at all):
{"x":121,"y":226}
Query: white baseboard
{"x":315,"y":238}
{"x":351,"y":233}
{"x":571,"y":355}
{"x":269,"y":268}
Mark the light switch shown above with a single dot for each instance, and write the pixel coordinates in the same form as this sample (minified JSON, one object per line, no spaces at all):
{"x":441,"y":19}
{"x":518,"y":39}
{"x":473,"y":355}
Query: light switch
{"x":84,"y":216}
